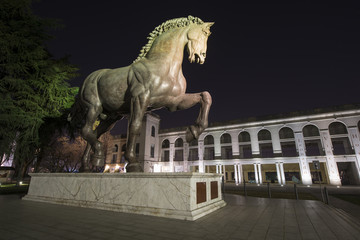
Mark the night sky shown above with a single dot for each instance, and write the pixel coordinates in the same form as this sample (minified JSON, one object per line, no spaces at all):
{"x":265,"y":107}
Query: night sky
{"x":262,"y":58}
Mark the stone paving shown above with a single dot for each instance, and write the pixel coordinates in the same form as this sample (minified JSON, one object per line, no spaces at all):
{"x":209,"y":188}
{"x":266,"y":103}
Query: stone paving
{"x":242,"y":218}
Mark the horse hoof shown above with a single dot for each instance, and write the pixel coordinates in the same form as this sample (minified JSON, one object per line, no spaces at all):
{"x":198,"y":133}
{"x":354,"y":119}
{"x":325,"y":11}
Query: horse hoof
{"x":134,"y":167}
{"x":190,"y":134}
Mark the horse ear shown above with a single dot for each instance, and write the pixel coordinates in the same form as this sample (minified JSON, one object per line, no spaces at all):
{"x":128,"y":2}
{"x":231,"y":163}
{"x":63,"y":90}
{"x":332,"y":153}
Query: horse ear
{"x":208,"y":24}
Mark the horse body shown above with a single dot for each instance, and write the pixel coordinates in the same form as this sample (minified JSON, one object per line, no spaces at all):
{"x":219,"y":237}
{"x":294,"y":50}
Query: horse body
{"x":152,"y":82}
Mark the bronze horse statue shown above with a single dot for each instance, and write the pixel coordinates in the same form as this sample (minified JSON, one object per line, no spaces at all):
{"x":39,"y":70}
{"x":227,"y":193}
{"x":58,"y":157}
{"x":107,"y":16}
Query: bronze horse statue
{"x":153,"y":81}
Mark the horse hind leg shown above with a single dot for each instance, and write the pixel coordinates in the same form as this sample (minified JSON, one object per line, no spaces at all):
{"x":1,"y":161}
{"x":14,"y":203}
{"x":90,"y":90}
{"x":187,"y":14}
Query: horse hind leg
{"x":85,"y":160}
{"x":89,"y":134}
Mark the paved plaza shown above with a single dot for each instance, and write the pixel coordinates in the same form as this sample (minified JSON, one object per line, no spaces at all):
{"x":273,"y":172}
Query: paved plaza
{"x":242,"y":218}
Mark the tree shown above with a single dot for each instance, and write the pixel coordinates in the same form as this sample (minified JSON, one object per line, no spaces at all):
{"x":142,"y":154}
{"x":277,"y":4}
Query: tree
{"x":62,"y":154}
{"x":33,"y":85}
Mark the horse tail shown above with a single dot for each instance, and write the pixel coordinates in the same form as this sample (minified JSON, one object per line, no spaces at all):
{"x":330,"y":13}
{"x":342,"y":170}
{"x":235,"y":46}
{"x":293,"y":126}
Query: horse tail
{"x":76,"y":117}
{"x":79,"y":109}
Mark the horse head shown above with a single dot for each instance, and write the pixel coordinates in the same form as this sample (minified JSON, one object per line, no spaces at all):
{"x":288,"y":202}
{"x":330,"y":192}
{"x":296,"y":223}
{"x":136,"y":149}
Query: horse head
{"x":197,"y":42}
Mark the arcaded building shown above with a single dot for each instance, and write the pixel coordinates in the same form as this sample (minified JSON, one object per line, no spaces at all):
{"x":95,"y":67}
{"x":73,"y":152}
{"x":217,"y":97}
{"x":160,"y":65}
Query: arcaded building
{"x":309,"y":147}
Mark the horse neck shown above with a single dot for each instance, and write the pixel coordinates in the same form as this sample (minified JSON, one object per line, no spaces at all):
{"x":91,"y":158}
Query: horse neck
{"x":168,"y":48}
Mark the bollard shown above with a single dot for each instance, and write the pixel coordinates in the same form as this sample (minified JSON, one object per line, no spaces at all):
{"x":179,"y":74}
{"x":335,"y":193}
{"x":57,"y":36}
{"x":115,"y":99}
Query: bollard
{"x":296,"y":192}
{"x":269,"y":190}
{"x":245,"y":193}
{"x":223,"y":187}
{"x":326,"y":195}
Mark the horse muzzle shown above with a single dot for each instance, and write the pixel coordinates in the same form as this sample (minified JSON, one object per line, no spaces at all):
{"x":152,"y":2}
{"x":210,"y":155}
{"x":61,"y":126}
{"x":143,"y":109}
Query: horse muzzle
{"x":197,"y":58}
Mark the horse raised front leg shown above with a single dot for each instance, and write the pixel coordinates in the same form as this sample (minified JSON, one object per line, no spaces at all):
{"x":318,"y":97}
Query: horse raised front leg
{"x":189,"y":100}
{"x":138,"y":108}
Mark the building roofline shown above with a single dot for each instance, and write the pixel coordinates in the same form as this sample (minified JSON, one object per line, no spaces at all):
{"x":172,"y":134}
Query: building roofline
{"x":272,"y":117}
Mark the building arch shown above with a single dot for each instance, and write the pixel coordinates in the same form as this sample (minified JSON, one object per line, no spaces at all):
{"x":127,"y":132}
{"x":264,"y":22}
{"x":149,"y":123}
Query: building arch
{"x":179,"y":149}
{"x":153,"y":131}
{"x":115,"y":148}
{"x":245,"y":150}
{"x":165,"y":150}
{"x":313,"y":144}
{"x":340,"y":139}
{"x":209,"y":149}
{"x":265,"y":144}
{"x":193,"y":150}
{"x":226,"y":146}
{"x":287,"y":142}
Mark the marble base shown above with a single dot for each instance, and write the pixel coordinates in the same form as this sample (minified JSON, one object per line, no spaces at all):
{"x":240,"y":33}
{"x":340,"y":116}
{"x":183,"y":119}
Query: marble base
{"x":186,"y":196}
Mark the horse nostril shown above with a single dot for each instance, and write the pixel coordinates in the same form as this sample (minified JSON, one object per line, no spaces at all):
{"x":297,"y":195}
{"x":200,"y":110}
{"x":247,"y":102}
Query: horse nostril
{"x":203,"y":54}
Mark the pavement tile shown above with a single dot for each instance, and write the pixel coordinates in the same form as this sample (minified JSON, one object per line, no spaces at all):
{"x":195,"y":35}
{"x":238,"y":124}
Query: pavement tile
{"x":242,"y":218}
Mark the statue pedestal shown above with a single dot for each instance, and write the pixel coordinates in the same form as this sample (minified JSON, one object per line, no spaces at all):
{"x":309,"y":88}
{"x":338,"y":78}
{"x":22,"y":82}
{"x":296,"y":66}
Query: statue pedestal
{"x":186,"y":196}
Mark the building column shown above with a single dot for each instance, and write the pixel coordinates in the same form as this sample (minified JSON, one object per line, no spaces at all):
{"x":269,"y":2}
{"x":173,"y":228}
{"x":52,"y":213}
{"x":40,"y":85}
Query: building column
{"x":224,"y":172}
{"x":236,"y":174}
{"x":240,"y":174}
{"x":201,"y":156}
{"x":260,"y":173}
{"x":275,"y":141}
{"x":186,"y":156}
{"x":256,"y":174}
{"x":282,"y":173}
{"x":234,"y":144}
{"x":304,"y":165}
{"x":217,"y":145}
{"x":354,"y":136}
{"x":278,"y":173}
{"x":171,"y":156}
{"x":219,"y":169}
{"x":254,"y":142}
{"x":331,"y":165}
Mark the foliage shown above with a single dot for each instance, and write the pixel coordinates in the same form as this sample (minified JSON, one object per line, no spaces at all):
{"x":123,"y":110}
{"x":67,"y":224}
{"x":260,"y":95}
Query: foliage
{"x":33,"y":85}
{"x":62,"y":155}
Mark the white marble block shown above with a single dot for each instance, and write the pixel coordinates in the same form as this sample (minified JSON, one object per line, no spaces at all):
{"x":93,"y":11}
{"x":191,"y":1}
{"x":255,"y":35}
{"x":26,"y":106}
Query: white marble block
{"x":186,"y":196}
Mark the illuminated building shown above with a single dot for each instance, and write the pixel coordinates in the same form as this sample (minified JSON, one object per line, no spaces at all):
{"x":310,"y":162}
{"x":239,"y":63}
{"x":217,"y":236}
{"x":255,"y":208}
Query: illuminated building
{"x":278,"y":149}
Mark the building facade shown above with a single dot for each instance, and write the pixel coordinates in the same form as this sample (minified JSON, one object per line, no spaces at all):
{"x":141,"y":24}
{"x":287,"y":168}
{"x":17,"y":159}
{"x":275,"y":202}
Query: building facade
{"x":321,"y":146}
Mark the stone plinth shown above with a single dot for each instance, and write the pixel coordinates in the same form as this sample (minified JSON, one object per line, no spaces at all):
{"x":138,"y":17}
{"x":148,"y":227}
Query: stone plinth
{"x":186,"y":196}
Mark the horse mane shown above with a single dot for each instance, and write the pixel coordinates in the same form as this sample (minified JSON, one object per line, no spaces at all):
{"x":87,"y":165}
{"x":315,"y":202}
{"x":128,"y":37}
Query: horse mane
{"x":165,"y":26}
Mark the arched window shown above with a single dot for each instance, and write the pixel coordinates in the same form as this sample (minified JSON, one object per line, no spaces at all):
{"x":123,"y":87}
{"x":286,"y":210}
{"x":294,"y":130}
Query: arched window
{"x":152,"y":151}
{"x":153,"y":131}
{"x":193,"y":150}
{"x":337,"y":128}
{"x":312,"y":141}
{"x":245,"y":145}
{"x":287,"y":142}
{"x":264,"y":135}
{"x":265,"y":144}
{"x":123,"y":149}
{"x":286,"y":133}
{"x":340,"y":139}
{"x":165,"y":151}
{"x":226,"y":147}
{"x":209,"y":152}
{"x":179,"y":150}
{"x":310,"y":131}
{"x":115,"y":148}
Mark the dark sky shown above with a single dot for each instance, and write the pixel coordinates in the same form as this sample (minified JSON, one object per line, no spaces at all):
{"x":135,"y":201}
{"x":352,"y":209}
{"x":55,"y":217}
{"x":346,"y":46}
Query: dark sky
{"x":262,"y":58}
